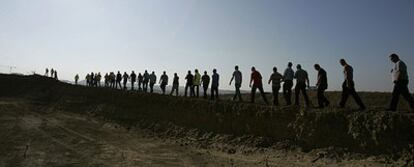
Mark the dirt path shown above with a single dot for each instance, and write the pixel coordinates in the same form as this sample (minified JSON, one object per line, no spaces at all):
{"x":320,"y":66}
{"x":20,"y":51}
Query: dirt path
{"x":32,"y":137}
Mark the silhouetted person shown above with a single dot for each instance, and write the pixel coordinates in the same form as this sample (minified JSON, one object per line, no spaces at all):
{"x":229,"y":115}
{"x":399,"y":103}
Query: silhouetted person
{"x":88,"y":79}
{"x":400,"y":79}
{"x":276,"y":78}
{"x":140,"y":80}
{"x":47,"y":72}
{"x":133,"y":79}
{"x":215,"y":85}
{"x":145,"y":81}
{"x":348,"y":87}
{"x":175,"y":85}
{"x":56,"y":75}
{"x":118,"y":80}
{"x":197,"y":82}
{"x":125,"y":78}
{"x":322,"y":85}
{"x":52,"y":72}
{"x":205,"y":79}
{"x":163,"y":82}
{"x":98,"y":79}
{"x":112,"y":79}
{"x":302,"y":81}
{"x":153,"y":80}
{"x":106,"y":78}
{"x":288,"y":76}
{"x":237,"y":77}
{"x":189,"y":84}
{"x":256,"y":79}
{"x":76,"y":79}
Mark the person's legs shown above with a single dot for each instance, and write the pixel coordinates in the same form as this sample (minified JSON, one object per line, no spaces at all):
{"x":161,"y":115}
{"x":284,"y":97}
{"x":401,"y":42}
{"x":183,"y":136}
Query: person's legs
{"x":263,"y":94}
{"x":216,"y":93}
{"x":212,"y":93}
{"x":186,"y":90}
{"x":253,"y":94}
{"x":321,"y":99}
{"x":205,"y":91}
{"x":238,"y":93}
{"x":192,"y":93}
{"x":357,"y":98}
{"x":275,"y":91}
{"x":197,"y":90}
{"x":345,"y":95}
{"x":406,"y":94}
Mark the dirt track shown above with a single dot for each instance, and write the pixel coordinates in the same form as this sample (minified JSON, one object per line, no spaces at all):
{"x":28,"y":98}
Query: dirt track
{"x":35,"y":137}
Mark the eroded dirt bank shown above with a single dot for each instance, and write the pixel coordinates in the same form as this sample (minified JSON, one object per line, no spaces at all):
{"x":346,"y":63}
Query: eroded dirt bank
{"x":237,"y":129}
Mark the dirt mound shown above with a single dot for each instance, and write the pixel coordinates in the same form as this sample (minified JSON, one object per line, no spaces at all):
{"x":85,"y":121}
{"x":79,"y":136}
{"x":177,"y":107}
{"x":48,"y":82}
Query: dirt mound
{"x":258,"y":126}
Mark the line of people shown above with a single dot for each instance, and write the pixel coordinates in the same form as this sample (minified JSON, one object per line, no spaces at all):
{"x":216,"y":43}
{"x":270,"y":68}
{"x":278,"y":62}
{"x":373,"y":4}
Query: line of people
{"x":53,"y":73}
{"x":193,"y":83}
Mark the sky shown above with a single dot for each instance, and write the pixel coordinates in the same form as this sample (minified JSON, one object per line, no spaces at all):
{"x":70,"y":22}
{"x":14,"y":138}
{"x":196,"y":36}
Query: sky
{"x":81,"y":36}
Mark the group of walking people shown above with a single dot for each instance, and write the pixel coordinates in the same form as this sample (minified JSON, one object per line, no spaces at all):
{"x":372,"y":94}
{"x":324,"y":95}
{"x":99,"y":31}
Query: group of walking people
{"x":53,"y":73}
{"x":194,"y":81}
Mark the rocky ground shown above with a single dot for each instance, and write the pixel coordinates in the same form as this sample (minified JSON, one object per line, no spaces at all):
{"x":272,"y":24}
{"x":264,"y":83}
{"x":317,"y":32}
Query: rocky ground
{"x":31,"y":135}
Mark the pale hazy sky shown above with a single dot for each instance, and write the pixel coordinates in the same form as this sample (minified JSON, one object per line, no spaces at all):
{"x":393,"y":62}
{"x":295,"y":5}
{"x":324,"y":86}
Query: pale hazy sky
{"x":80,"y":36}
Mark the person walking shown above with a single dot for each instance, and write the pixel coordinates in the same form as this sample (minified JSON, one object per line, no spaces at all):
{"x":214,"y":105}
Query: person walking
{"x":112,"y":80}
{"x":205,"y":79}
{"x":125,"y":77}
{"x":118,"y":80}
{"x":106,"y":79}
{"x":140,"y":80}
{"x":348,"y":86}
{"x":215,"y":85}
{"x":197,"y":82}
{"x":256,"y":79}
{"x":56,"y":76}
{"x":153,"y":80}
{"x":276,"y":78}
{"x":163,"y":82}
{"x":98,"y":79}
{"x":76,"y":79}
{"x":288,"y":76}
{"x":175,"y":85}
{"x":47,"y":72}
{"x":302,"y":81}
{"x":145,"y":81}
{"x":400,"y":79}
{"x":52,"y":73}
{"x":322,"y":85}
{"x":189,"y":84}
{"x":133,"y":77}
{"x":237,"y":77}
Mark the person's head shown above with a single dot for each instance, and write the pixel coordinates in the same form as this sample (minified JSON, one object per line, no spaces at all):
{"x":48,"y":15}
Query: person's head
{"x":189,"y":72}
{"x":290,"y":64}
{"x":317,"y":67}
{"x":342,"y":62}
{"x":205,"y":72}
{"x":146,"y":71}
{"x":253,"y":69}
{"x":394,"y":58}
{"x":164,"y":72}
{"x":236,"y":67}
{"x":153,"y":72}
{"x":118,"y":72}
{"x":214,"y":71}
{"x":299,"y":67}
{"x":175,"y":74}
{"x":133,"y":72}
{"x":274,"y":69}
{"x":196,"y":71}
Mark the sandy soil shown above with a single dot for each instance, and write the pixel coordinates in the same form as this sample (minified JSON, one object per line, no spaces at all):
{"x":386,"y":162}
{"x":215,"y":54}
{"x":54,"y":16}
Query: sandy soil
{"x":32,"y":136}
